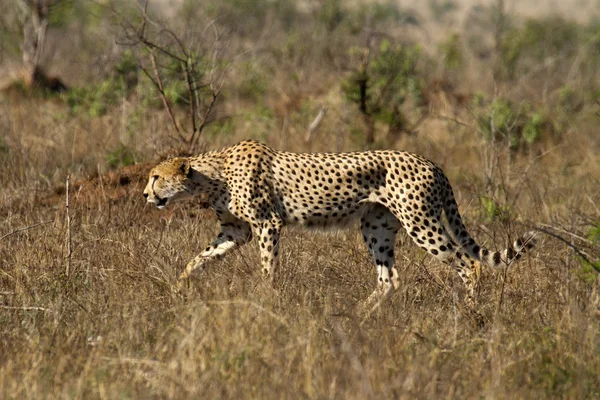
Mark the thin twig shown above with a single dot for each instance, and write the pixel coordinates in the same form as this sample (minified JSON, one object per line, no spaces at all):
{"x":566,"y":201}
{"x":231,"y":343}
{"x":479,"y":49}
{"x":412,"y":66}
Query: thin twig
{"x":567,"y":233}
{"x":188,"y":81}
{"x":69,"y":251}
{"x":577,"y":251}
{"x":25,"y":228}
{"x":315,"y":124}
{"x":26,"y":308}
{"x":204,"y":120}
{"x":215,"y":93}
{"x":154,"y":46}
{"x":455,"y":120}
{"x":501,"y":300}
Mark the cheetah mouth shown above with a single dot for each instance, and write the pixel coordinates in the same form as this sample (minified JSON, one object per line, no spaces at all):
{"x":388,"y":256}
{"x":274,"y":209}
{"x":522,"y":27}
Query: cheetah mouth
{"x":161,"y":203}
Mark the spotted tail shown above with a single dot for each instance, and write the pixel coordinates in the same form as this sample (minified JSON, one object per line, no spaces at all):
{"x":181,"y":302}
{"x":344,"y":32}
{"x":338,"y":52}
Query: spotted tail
{"x":489,"y":258}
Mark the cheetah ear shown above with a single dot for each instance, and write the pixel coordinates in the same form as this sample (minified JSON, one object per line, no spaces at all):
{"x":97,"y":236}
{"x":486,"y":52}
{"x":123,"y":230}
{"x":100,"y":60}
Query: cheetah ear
{"x":185,"y":168}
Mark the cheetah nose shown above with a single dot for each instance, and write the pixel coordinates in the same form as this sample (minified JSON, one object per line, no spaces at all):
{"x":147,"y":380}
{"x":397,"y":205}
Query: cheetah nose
{"x":145,"y":195}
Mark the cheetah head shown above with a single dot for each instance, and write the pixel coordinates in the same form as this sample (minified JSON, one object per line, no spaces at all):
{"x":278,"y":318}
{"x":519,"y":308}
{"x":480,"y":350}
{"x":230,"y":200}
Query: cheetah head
{"x":169,"y":181}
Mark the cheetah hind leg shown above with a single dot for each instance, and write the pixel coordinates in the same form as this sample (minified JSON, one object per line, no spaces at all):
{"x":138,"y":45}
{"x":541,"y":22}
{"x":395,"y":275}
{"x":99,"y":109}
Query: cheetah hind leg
{"x":379,"y":228}
{"x":268,"y":234}
{"x":383,"y":291}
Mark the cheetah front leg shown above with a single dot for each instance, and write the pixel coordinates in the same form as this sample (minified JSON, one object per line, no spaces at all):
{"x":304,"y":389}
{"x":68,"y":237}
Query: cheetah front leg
{"x":232,"y":235}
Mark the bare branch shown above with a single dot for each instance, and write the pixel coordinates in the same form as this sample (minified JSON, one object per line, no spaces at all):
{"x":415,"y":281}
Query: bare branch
{"x":192,"y":105}
{"x":24,"y":229}
{"x":162,"y":94}
{"x":147,"y":19}
{"x":69,"y":249}
{"x":578,"y":251}
{"x":204,"y":120}
{"x":26,"y":308}
{"x":315,"y":124}
{"x":163,"y":43}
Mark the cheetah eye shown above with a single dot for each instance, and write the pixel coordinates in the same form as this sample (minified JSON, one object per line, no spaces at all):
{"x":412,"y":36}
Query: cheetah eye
{"x":155,"y":177}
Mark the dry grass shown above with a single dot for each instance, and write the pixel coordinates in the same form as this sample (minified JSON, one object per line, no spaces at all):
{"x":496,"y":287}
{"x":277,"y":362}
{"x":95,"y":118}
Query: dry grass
{"x":117,"y":327}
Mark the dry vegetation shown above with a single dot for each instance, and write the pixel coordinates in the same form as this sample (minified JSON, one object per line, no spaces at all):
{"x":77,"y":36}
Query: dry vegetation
{"x":507,"y":107}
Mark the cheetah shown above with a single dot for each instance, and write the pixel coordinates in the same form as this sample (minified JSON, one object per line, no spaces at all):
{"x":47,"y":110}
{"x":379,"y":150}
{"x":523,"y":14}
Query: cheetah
{"x":256,"y":191}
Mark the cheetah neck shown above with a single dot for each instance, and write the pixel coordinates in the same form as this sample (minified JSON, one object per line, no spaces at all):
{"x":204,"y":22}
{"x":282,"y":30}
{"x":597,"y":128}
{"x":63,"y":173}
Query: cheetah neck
{"x":210,"y":165}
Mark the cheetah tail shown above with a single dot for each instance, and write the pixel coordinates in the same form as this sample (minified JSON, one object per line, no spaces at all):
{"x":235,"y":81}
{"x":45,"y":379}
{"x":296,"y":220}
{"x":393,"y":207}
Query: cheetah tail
{"x":506,"y":257}
{"x":492,"y":259}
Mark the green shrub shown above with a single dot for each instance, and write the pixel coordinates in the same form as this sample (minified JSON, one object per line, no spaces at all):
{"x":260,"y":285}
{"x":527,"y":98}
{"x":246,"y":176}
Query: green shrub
{"x":451,"y":52}
{"x":254,"y":82}
{"x":594,"y":234}
{"x":493,"y":211}
{"x":498,"y":120}
{"x":127,"y":68}
{"x":221,"y":128}
{"x":176,"y":92}
{"x":440,"y":9}
{"x":248,"y":17}
{"x":120,"y":157}
{"x":331,"y":14}
{"x":589,"y":269}
{"x":524,"y":48}
{"x":387,"y":81}
{"x":97,"y":98}
{"x":3,"y":146}
{"x":568,"y":100}
{"x":533,"y":128}
{"x":502,"y":120}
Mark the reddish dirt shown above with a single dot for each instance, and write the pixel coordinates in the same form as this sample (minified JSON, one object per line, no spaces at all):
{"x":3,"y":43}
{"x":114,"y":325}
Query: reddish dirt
{"x":112,"y":186}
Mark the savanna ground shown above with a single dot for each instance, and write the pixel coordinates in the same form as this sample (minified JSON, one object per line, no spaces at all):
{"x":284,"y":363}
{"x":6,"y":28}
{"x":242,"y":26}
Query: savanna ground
{"x":506,"y":104}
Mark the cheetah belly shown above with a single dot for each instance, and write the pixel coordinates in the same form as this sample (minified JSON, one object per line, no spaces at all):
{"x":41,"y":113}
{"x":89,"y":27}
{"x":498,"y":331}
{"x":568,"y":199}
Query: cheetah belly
{"x":323,"y":213}
{"x":324,"y":190}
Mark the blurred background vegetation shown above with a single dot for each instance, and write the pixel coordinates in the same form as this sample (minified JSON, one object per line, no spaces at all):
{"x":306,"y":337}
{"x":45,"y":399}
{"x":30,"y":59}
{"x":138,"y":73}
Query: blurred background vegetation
{"x":383,"y":69}
{"x":121,"y":81}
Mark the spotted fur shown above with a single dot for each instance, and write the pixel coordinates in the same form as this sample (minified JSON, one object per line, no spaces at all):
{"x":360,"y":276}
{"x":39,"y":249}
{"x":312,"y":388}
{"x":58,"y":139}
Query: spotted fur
{"x":255,"y":189}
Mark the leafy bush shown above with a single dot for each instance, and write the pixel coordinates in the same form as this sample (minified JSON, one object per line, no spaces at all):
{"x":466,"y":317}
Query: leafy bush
{"x":568,"y":100}
{"x":523,"y":48}
{"x":440,"y":9}
{"x":533,"y":128}
{"x":120,"y":157}
{"x":493,"y":211}
{"x":127,"y":68}
{"x":589,"y":269}
{"x":515,"y":124}
{"x":451,"y":52}
{"x":331,"y":14}
{"x":254,"y":82}
{"x":97,"y":98}
{"x":248,"y":17}
{"x":594,"y":234}
{"x":222,"y":128}
{"x":383,"y":85}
